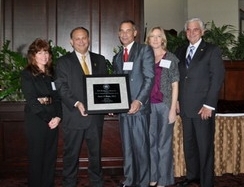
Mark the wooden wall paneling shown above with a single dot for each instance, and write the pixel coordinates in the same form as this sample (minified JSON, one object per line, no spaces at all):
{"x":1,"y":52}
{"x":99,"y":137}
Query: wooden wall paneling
{"x":233,"y":84}
{"x":13,"y":142}
{"x":24,"y":21}
{"x":112,"y":13}
{"x":52,"y":20}
{"x":6,"y":15}
{"x":95,"y":26}
{"x":71,"y":14}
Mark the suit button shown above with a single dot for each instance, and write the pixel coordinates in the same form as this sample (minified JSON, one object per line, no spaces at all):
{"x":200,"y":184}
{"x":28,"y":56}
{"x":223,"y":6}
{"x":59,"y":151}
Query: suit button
{"x":186,"y":77}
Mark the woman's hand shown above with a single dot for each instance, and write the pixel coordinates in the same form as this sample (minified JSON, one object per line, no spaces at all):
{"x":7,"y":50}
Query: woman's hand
{"x":54,"y":122}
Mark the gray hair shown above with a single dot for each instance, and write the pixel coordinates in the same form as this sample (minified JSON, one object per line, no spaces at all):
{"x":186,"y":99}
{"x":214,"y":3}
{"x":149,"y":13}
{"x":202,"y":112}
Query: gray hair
{"x":202,"y":26}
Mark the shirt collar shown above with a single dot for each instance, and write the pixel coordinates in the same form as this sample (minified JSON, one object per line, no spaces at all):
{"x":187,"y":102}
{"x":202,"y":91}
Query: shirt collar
{"x":129,"y":46}
{"x":87,"y":54}
{"x":196,"y":44}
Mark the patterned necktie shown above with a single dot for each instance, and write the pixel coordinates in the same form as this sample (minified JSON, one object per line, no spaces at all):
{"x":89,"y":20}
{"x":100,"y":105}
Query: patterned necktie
{"x":84,"y":65}
{"x":189,"y":56}
{"x":126,"y":55}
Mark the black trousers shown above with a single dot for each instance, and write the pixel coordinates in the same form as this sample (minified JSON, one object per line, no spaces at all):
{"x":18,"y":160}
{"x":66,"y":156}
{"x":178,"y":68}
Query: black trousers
{"x":198,"y":141}
{"x":42,"y":151}
{"x":73,"y":139}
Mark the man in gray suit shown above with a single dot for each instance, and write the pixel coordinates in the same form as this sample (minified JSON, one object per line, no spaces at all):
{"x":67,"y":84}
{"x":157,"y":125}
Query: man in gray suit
{"x":201,"y":77}
{"x":134,"y":125}
{"x":77,"y":125}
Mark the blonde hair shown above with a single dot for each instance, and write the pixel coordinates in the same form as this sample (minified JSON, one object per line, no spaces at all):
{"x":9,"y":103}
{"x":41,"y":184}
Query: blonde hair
{"x":164,"y":39}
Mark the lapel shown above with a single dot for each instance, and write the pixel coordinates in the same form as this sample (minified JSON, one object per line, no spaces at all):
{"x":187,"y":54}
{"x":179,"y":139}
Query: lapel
{"x":182,"y":58}
{"x":133,"y":51}
{"x":94,"y":63}
{"x":198,"y":54}
{"x":119,"y":61}
{"x":76,"y":62}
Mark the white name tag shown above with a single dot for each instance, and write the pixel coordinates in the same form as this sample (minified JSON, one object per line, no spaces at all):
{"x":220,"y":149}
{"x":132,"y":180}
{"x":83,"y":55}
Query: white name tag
{"x":53,"y":86}
{"x":165,"y":63}
{"x":127,"y":65}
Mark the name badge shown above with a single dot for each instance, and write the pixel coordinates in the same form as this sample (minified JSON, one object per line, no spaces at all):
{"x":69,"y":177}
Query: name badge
{"x":127,"y":65}
{"x":165,"y":63}
{"x":53,"y":86}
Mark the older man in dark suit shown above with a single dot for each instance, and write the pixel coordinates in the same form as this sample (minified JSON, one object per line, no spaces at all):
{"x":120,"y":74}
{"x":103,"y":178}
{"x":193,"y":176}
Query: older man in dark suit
{"x":136,"y":60}
{"x":77,"y":125}
{"x":201,"y":76}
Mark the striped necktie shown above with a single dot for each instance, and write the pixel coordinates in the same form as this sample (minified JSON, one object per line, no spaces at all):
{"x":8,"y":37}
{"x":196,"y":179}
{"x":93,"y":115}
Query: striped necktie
{"x":189,"y":56}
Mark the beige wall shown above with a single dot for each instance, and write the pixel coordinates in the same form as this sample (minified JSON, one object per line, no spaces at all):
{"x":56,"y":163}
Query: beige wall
{"x":169,"y":14}
{"x":173,"y":13}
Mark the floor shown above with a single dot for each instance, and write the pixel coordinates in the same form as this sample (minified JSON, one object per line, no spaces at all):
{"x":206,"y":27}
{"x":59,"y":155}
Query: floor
{"x":227,"y":180}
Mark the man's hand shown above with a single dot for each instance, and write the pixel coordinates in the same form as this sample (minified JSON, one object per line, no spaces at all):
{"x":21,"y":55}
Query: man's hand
{"x":205,"y":113}
{"x":81,"y":108}
{"x":134,"y":107}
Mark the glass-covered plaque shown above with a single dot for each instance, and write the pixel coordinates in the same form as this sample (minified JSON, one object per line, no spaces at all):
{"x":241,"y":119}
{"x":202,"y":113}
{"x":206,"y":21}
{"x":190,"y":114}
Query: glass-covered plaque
{"x":106,"y":94}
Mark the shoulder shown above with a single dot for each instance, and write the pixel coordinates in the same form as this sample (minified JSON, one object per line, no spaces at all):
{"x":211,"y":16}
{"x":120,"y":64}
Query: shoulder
{"x":208,"y":45}
{"x":181,"y":50}
{"x":171,"y":56}
{"x":66,"y":59}
{"x":96,"y":54}
{"x":25,"y":72}
{"x":144,"y":48}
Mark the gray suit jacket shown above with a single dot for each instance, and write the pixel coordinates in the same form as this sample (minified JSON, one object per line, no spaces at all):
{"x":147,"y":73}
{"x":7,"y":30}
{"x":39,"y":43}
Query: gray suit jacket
{"x":70,"y":85}
{"x":201,"y":82}
{"x":141,"y":77}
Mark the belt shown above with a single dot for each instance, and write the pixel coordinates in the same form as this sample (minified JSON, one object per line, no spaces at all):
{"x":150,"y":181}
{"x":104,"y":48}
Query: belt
{"x":45,"y":100}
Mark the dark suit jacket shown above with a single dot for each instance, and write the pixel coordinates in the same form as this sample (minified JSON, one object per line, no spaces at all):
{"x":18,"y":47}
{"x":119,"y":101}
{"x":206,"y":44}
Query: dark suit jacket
{"x":70,"y":85}
{"x":141,"y":77}
{"x":201,"y":82}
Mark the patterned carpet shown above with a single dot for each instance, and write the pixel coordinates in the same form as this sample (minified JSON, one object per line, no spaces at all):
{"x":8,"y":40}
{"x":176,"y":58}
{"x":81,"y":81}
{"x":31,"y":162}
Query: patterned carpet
{"x":227,"y":180}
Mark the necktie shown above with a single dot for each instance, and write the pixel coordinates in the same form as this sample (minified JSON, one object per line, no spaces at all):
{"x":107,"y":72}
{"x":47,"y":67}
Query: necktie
{"x":84,"y":65}
{"x":189,"y":56}
{"x":126,"y":55}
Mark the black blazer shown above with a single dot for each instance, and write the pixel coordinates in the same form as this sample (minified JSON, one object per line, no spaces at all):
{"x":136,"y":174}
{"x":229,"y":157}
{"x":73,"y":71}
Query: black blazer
{"x":70,"y":85}
{"x":34,"y":87}
{"x":201,"y":82}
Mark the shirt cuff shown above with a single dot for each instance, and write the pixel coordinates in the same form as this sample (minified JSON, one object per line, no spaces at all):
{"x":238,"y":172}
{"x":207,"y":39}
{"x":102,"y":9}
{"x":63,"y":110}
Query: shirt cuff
{"x":76,"y":103}
{"x":209,"y":107}
{"x":140,"y":102}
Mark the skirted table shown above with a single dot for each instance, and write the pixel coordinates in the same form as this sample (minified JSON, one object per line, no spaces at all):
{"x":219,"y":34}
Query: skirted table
{"x":229,"y":145}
